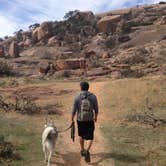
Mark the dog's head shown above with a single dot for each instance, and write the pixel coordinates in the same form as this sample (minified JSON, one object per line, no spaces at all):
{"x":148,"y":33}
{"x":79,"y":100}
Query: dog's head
{"x":50,"y":123}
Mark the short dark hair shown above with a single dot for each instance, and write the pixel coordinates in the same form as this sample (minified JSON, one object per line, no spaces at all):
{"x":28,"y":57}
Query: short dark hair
{"x":84,"y":86}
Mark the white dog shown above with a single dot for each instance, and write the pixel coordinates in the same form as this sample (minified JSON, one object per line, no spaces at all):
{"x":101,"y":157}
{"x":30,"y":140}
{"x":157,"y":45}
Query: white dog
{"x":49,"y":138}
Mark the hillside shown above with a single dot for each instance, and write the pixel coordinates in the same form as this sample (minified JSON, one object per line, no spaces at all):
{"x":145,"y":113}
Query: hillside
{"x":117,"y":44}
{"x":121,"y":53}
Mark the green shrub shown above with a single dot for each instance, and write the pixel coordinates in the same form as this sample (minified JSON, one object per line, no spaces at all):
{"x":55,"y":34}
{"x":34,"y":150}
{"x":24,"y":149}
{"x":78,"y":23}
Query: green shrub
{"x":25,"y":105}
{"x":5,"y":68}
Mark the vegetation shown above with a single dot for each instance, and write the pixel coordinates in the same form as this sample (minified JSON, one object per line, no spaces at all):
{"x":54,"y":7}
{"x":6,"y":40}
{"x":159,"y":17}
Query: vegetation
{"x":136,"y":108}
{"x":5,"y":68}
{"x":7,"y":151}
{"x":73,"y":24}
{"x":22,"y":140}
{"x":34,"y":26}
{"x":111,"y":41}
{"x":25,"y":105}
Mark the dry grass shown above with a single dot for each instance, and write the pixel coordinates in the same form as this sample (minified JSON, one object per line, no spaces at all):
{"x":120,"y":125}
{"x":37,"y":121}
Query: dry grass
{"x":129,"y":143}
{"x":133,"y":143}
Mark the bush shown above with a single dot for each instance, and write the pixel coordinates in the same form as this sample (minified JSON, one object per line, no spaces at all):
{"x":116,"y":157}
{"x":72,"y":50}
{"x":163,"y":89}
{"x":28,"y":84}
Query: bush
{"x":7,"y":151}
{"x":111,"y":41}
{"x":162,"y":2}
{"x":25,"y":105}
{"x":4,"y":105}
{"x":5,"y":68}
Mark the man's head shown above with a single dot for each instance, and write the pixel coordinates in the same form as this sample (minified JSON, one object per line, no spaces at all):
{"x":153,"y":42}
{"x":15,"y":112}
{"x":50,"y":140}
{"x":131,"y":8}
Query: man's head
{"x":84,"y":86}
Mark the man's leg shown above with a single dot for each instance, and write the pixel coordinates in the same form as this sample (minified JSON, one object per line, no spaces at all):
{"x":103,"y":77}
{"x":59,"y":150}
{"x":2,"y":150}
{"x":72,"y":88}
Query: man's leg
{"x":87,"y":154}
{"x":90,"y":142}
{"x":81,"y":143}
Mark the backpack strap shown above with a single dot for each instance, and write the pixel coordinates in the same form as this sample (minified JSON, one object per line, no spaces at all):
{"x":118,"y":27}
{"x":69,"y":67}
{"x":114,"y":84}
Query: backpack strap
{"x":85,"y":96}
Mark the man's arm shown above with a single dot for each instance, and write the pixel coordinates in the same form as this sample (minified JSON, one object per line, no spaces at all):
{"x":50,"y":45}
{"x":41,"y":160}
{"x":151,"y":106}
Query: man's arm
{"x":74,"y":110}
{"x":96,"y":109}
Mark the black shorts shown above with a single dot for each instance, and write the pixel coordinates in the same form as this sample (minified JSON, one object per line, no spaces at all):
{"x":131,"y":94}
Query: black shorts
{"x":86,"y":130}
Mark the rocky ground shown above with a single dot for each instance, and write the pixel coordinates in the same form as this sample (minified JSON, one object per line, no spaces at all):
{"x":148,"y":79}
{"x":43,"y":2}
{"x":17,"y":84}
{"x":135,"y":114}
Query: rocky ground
{"x":117,"y":44}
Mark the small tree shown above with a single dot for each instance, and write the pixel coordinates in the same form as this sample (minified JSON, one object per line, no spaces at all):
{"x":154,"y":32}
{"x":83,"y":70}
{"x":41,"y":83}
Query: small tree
{"x":34,"y":26}
{"x":70,"y":14}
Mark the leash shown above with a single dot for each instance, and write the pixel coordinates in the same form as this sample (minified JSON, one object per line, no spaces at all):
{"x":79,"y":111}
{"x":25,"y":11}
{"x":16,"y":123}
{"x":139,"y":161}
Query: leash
{"x":61,"y":131}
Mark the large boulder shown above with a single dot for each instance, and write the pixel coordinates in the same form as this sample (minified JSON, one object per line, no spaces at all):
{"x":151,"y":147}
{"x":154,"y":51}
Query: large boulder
{"x":53,"y":41}
{"x":106,"y":55}
{"x":124,"y":38}
{"x":163,"y":20}
{"x":43,"y":32}
{"x":26,"y":35}
{"x":70,"y":64}
{"x":2,"y":52}
{"x":44,"y":67}
{"x":89,"y":54}
{"x":14,"y":50}
{"x":35,"y":35}
{"x":27,"y":43}
{"x":108,"y":23}
{"x":98,"y":72}
{"x":116,"y":74}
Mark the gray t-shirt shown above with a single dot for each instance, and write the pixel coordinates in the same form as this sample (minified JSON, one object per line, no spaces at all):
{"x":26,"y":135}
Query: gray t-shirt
{"x":77,"y":104}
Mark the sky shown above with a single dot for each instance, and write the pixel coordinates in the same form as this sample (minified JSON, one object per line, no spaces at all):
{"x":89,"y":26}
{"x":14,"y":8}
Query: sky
{"x":19,"y":14}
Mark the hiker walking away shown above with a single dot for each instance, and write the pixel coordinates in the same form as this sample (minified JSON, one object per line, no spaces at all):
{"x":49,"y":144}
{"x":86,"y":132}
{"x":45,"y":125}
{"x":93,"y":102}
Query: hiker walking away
{"x":86,"y":108}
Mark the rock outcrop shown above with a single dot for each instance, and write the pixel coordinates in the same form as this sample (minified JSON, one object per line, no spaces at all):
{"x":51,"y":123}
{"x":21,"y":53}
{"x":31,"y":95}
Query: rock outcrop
{"x":163,"y":20}
{"x":44,"y":67}
{"x":70,"y":64}
{"x":2,"y":52}
{"x":118,"y":43}
{"x":14,"y":50}
{"x":108,"y":23}
{"x":88,"y":16}
{"x":43,"y":32}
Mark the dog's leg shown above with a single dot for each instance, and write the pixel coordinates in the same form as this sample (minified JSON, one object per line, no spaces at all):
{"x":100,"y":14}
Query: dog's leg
{"x":49,"y":158}
{"x":45,"y":153}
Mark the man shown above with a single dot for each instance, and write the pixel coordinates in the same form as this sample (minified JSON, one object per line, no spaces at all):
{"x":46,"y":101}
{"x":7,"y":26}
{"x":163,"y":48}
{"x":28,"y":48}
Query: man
{"x":86,"y":108}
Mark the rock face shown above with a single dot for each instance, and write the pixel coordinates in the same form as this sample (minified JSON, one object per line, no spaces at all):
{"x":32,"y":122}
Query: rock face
{"x":117,"y":43}
{"x":105,"y":55}
{"x":2,"y":52}
{"x":70,"y":64}
{"x":28,"y":43}
{"x":53,"y":41}
{"x":116,"y":74}
{"x":42,"y":33}
{"x":14,"y":50}
{"x":124,"y":38}
{"x":163,"y":20}
{"x":108,"y":23}
{"x":44,"y":67}
{"x":88,"y":16}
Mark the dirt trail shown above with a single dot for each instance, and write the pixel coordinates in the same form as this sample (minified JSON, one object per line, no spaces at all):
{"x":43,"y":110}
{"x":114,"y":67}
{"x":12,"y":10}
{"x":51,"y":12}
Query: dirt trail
{"x":68,"y":155}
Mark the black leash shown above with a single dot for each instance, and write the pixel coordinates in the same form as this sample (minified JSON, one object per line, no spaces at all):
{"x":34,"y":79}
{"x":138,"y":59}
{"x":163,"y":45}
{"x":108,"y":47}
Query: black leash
{"x":72,"y":127}
{"x":61,"y":131}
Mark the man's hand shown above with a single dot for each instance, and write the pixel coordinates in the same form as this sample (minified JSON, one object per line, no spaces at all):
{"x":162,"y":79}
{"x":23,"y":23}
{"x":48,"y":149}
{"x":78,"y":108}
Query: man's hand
{"x":72,"y":118}
{"x":95,"y":119}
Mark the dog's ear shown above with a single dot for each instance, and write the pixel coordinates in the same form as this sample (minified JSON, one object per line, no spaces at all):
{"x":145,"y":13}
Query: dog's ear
{"x":46,"y":121}
{"x":51,"y":121}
